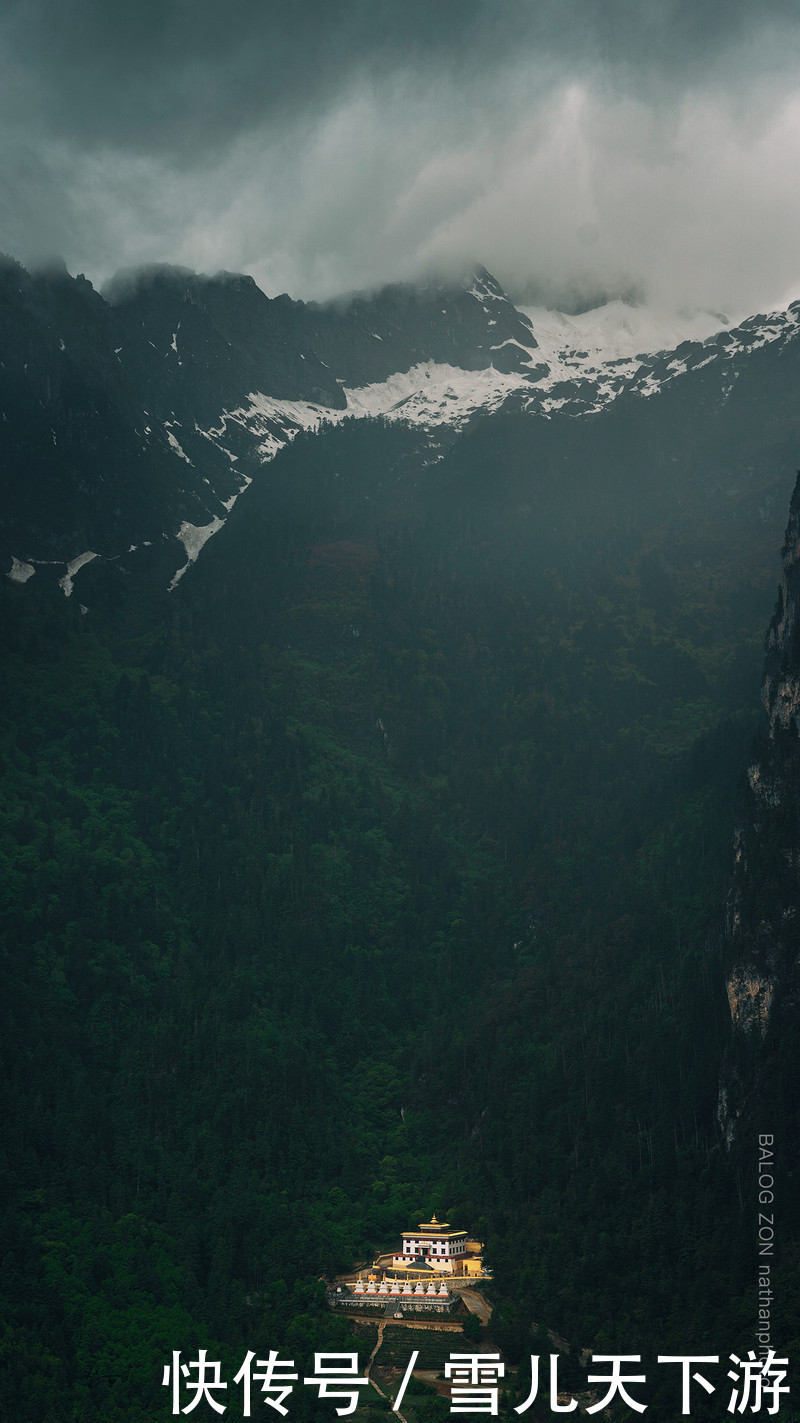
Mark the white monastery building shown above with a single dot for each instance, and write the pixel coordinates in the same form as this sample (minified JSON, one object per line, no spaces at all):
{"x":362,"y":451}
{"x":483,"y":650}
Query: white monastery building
{"x":433,"y":1244}
{"x":406,"y":1283}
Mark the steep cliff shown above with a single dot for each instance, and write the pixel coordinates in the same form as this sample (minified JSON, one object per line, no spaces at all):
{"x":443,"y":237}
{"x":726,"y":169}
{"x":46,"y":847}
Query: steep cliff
{"x":764,"y":905}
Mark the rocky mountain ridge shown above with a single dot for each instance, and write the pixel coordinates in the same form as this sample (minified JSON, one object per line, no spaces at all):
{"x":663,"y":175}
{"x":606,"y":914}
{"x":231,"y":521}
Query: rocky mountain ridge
{"x":147,"y":412}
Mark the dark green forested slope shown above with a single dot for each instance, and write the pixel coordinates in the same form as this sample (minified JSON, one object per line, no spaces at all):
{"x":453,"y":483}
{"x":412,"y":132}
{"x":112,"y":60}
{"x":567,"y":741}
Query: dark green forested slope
{"x":377,"y":870}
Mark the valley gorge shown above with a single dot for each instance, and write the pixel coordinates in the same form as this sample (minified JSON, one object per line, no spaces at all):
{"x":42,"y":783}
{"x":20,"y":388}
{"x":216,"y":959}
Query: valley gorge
{"x":391,"y":823}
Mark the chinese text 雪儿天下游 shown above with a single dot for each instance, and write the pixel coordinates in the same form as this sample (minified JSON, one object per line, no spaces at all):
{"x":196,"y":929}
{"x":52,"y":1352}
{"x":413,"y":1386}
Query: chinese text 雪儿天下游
{"x":475,"y":1382}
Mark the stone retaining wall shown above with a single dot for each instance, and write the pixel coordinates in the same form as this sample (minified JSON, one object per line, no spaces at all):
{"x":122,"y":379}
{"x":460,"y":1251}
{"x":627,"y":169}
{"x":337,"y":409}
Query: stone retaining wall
{"x":383,"y":1304}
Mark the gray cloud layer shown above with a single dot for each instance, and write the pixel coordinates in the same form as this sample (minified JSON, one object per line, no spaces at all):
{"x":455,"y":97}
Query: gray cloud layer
{"x":574,"y":145}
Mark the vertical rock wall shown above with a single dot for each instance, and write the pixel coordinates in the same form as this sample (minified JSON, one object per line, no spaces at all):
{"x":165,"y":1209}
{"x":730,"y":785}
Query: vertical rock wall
{"x":764,"y":905}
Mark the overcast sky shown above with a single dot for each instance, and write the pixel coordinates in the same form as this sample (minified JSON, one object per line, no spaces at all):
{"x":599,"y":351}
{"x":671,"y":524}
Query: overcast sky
{"x":573,"y":146}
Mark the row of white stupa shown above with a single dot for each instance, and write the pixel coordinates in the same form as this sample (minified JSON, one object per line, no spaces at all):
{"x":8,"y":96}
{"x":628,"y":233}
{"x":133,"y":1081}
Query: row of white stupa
{"x":395,"y":1289}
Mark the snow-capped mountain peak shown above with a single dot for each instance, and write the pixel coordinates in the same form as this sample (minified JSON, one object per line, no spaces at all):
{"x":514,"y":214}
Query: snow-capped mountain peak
{"x":147,"y":416}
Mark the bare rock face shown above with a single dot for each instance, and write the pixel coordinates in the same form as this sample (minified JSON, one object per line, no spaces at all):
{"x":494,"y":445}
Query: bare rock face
{"x":750,"y":994}
{"x":782,"y":670}
{"x":763,"y":925}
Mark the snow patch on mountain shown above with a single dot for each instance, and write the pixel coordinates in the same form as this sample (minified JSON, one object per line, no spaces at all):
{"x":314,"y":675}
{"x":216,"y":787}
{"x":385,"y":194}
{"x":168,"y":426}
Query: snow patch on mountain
{"x":20,"y":571}
{"x":432,"y":394}
{"x":273,"y":423}
{"x":229,"y":503}
{"x":617,"y":331}
{"x":193,"y":537}
{"x":174,"y":443}
{"x":74,"y":565}
{"x":280,"y":420}
{"x":578,"y":363}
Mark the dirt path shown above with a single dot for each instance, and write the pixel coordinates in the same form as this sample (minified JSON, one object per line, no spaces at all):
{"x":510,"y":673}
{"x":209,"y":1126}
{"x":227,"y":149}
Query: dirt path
{"x":476,"y":1304}
{"x":376,"y":1386}
{"x":378,"y":1343}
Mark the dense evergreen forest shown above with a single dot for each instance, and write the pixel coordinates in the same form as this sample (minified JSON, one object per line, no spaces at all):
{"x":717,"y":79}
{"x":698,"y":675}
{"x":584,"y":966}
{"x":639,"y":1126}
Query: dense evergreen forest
{"x":379,"y":869}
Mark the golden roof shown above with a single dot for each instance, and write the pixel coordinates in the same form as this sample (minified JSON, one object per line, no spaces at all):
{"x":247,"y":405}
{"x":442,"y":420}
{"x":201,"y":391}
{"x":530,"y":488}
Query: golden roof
{"x":434,"y":1227}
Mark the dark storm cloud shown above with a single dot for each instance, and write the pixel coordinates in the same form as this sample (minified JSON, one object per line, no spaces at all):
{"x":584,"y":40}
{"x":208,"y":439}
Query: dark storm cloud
{"x":191,"y":73}
{"x":326,"y":145}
